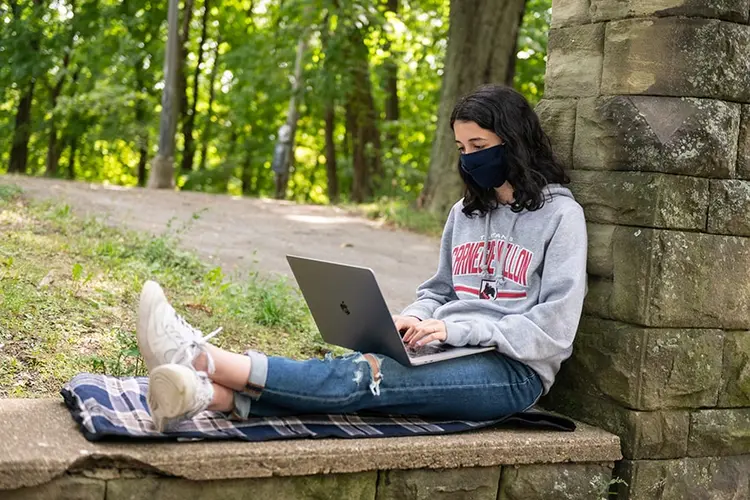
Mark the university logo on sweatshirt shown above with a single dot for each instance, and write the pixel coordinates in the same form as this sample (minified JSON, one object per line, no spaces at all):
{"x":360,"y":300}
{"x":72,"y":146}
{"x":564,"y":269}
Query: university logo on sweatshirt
{"x":467,"y":262}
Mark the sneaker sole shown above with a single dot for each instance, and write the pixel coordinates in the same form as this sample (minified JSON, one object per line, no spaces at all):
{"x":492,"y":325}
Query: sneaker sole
{"x":171,"y":388}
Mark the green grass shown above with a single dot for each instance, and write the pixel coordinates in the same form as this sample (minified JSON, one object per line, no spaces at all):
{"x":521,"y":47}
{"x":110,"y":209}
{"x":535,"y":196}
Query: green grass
{"x":402,"y":215}
{"x":69,"y":289}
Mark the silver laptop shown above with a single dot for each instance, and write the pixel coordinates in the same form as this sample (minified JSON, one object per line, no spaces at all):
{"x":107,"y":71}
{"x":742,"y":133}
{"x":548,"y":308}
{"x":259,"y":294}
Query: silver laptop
{"x":350,"y":311}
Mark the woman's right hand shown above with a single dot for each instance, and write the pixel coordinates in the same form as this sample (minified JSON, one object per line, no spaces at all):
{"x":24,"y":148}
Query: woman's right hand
{"x":403,"y":323}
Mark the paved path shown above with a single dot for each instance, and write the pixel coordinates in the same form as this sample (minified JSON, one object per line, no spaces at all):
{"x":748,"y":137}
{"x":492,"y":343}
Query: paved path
{"x":244,"y":234}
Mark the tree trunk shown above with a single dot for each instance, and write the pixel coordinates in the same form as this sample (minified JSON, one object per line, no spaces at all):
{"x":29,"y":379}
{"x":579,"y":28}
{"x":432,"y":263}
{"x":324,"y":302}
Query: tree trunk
{"x":361,"y":177}
{"x":513,"y":55}
{"x":284,"y":150}
{"x":140,"y":119}
{"x":19,"y":153}
{"x":362,"y":123}
{"x":72,"y":160}
{"x":182,"y":60}
{"x":188,"y":153}
{"x":247,"y":173}
{"x":478,"y":52}
{"x":206,"y":138}
{"x":142,"y":160}
{"x":391,"y":72}
{"x":330,"y":116}
{"x":54,"y":149}
{"x":331,"y":169}
{"x":162,"y":168}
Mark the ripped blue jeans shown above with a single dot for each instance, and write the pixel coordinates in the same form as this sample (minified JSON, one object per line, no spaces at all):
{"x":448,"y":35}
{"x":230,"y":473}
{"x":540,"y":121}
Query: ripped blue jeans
{"x":479,"y":387}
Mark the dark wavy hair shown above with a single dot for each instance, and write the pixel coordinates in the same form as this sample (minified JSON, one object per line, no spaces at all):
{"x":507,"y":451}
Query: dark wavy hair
{"x":531,"y":161}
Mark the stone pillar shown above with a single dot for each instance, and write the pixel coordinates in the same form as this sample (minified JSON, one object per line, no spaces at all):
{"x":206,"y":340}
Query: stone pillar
{"x":649,"y":103}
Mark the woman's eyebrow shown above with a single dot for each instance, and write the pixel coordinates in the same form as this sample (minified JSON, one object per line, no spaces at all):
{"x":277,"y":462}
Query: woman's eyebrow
{"x":477,"y":139}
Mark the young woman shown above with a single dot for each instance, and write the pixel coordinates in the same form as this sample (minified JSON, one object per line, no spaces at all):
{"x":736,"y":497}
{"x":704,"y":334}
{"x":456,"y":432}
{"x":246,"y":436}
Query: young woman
{"x":512,"y":274}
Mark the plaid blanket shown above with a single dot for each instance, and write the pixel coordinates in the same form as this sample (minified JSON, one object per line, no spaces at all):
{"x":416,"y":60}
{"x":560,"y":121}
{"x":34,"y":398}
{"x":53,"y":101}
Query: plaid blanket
{"x":109,"y":408}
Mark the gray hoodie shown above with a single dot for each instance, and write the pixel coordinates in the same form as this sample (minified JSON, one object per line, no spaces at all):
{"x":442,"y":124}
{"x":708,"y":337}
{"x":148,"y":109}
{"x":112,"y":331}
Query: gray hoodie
{"x":531,"y":310}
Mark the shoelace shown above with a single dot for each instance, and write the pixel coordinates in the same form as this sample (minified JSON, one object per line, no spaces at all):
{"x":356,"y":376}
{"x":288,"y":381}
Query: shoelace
{"x":191,"y":350}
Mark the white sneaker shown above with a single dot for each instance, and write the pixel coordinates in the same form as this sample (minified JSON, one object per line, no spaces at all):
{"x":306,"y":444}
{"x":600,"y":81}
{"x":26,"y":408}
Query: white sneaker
{"x":177,"y":393}
{"x":164,"y":336}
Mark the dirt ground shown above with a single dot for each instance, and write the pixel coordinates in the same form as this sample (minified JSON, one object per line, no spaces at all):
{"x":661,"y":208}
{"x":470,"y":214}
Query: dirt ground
{"x":243,"y":234}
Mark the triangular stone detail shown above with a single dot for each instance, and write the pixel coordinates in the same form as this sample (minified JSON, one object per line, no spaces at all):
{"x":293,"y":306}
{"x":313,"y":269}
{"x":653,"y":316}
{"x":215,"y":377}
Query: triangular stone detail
{"x":665,"y":115}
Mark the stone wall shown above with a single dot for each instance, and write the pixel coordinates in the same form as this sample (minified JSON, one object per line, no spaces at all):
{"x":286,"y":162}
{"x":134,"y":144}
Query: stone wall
{"x":649,"y":103}
{"x":583,"y":481}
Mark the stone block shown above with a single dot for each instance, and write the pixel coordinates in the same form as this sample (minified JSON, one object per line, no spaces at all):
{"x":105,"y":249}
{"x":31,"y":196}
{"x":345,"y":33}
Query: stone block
{"x":543,"y":482}
{"x":642,"y":199}
{"x":681,"y":368}
{"x":359,"y":486}
{"x":476,"y":483}
{"x":743,"y":152}
{"x":719,"y":432}
{"x":600,"y":261}
{"x":558,"y":118}
{"x":729,"y":207}
{"x":676,"y":279}
{"x":723,"y":478}
{"x":729,"y":10}
{"x":657,"y":434}
{"x":62,"y":488}
{"x":574,"y":66}
{"x":645,"y":368}
{"x":570,"y":13}
{"x":599,"y":297}
{"x":643,"y":434}
{"x":677,"y":56}
{"x":735,"y":388}
{"x":694,"y":137}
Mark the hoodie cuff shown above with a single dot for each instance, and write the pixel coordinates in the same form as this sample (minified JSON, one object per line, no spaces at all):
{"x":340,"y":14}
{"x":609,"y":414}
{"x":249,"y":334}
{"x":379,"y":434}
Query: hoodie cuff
{"x":418,"y":312}
{"x":456,"y":333}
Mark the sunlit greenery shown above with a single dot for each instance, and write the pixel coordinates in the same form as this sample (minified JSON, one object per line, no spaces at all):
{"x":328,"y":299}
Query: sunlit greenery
{"x":69,"y":291}
{"x":97,"y":71}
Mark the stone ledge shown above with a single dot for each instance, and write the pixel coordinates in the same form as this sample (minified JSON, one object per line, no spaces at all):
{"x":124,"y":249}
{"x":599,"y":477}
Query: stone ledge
{"x":40,"y":441}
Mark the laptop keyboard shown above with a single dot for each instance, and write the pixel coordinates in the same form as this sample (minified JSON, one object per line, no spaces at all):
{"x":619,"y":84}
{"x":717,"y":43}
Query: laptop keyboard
{"x":423,"y":350}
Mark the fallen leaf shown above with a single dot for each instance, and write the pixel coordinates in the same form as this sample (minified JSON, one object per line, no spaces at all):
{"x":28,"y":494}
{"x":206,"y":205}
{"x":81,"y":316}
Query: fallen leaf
{"x":200,"y":307}
{"x":347,"y":245}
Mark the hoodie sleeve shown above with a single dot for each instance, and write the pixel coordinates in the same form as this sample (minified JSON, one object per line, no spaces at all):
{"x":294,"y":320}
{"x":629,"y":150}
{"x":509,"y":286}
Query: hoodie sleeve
{"x":437,"y":290}
{"x":550,"y":326}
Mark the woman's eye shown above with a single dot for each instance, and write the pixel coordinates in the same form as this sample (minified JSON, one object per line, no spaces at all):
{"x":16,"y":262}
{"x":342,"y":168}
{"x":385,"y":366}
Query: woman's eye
{"x":461,"y":150}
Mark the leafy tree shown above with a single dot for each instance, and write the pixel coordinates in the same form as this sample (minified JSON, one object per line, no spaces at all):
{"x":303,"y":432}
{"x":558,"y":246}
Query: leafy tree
{"x":82,"y":81}
{"x":163,"y":164}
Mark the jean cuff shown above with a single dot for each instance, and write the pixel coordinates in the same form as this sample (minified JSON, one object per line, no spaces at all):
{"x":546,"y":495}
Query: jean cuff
{"x":258,"y":374}
{"x":256,"y":381}
{"x":242,"y":404}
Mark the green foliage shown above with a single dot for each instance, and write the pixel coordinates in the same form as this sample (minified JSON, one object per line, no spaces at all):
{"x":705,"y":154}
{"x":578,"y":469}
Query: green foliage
{"x":532,"y":49}
{"x":106,"y":59}
{"x":9,"y":192}
{"x":69,"y":291}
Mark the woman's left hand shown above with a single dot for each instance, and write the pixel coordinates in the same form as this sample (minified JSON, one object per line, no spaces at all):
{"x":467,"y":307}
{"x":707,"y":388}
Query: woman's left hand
{"x":426,"y":331}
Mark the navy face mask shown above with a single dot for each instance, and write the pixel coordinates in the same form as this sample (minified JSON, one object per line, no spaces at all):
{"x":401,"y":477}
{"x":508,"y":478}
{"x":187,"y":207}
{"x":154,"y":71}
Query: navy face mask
{"x":487,"y":167}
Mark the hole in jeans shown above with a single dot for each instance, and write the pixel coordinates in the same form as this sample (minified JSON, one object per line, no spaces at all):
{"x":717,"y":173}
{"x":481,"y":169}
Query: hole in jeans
{"x":376,"y":376}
